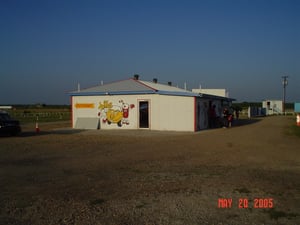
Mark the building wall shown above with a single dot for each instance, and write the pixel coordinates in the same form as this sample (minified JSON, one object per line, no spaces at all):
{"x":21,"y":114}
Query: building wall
{"x":217,"y":92}
{"x":109,"y":110}
{"x":202,"y":112}
{"x":174,"y":113}
{"x":297,"y":107}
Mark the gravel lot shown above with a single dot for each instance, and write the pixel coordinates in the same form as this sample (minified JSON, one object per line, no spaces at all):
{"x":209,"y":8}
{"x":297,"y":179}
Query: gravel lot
{"x":66,"y":176}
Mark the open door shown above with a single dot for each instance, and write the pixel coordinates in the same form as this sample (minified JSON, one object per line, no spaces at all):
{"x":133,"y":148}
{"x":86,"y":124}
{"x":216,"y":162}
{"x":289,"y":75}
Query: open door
{"x":143,"y":114}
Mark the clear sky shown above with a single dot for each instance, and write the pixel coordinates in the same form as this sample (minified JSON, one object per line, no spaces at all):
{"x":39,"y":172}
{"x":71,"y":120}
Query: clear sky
{"x":245,"y":46}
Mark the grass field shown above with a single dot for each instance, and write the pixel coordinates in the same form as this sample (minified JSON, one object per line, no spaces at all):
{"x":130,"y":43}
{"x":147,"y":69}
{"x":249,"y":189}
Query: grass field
{"x":30,"y":114}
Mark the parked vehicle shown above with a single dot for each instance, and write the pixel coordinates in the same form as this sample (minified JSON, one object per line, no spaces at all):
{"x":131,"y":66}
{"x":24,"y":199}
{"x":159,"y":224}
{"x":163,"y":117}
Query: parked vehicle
{"x":8,"y":126}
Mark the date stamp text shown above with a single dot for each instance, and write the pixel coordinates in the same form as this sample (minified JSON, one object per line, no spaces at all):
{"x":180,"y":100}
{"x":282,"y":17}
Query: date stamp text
{"x":244,"y":203}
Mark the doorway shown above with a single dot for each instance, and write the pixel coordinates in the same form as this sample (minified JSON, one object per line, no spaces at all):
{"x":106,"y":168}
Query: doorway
{"x":143,"y":114}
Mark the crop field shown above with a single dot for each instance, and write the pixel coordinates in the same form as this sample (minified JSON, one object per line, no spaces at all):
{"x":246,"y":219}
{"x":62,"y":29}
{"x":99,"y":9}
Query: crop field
{"x":247,"y":174}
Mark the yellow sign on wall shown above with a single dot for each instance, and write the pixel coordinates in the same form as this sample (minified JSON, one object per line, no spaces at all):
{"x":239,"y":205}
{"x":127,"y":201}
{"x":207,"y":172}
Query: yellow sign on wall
{"x":84,"y":105}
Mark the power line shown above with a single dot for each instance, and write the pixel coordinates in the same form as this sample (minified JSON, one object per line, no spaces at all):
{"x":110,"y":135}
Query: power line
{"x":284,"y":83}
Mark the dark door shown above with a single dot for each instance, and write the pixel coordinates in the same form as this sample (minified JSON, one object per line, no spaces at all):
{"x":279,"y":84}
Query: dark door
{"x":144,"y":114}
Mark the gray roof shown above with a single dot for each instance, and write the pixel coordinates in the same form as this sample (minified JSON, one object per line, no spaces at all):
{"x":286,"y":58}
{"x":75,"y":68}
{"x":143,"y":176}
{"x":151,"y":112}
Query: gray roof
{"x":118,"y":86}
{"x":133,"y":86}
{"x":164,"y":87}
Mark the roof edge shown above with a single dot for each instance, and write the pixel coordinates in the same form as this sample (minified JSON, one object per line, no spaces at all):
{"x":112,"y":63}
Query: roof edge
{"x":144,"y":84}
{"x":111,"y":93}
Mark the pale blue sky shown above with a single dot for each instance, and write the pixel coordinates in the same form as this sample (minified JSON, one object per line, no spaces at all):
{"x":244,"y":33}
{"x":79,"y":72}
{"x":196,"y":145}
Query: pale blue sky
{"x":47,"y":47}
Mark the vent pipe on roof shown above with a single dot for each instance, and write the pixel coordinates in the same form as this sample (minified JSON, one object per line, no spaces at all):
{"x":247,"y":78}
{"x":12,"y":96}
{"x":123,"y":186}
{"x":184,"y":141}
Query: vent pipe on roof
{"x":136,"y":76}
{"x":155,"y":80}
{"x":170,"y":83}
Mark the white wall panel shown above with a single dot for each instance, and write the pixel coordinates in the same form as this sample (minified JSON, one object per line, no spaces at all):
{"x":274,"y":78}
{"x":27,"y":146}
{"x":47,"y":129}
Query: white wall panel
{"x":174,"y":113}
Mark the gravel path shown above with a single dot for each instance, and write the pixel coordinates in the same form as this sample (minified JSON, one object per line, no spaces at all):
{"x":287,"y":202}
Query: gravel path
{"x":65,"y":176}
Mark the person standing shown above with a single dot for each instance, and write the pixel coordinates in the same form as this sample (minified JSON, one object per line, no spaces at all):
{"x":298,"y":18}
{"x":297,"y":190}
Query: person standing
{"x":225,"y":117}
{"x":237,"y":114}
{"x":212,"y":116}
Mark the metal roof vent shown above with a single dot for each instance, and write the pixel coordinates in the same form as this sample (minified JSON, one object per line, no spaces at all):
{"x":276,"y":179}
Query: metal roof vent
{"x":136,"y":76}
{"x":155,"y":80}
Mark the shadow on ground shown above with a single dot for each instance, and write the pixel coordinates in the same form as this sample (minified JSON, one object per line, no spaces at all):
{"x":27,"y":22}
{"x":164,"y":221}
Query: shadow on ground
{"x":67,"y":131}
{"x":70,"y":131}
{"x":242,"y":122}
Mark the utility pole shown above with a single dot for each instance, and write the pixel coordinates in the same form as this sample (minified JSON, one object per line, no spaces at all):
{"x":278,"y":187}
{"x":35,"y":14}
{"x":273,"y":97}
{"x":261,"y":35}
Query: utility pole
{"x":284,"y":83}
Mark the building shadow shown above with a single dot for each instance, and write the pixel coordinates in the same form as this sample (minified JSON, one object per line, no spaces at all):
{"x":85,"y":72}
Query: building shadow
{"x":243,"y":122}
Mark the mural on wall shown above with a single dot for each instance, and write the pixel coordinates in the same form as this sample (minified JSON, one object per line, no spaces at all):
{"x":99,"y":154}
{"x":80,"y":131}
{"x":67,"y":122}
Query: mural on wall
{"x":117,"y":114}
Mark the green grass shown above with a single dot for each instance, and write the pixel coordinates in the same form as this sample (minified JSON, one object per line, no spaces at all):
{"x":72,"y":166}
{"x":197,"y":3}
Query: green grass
{"x":295,"y":130}
{"x":292,"y":128}
{"x":31,"y":115}
{"x":42,"y":117}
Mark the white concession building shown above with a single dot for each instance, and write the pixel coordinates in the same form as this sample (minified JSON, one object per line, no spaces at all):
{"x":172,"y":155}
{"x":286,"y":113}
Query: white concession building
{"x":137,"y":104}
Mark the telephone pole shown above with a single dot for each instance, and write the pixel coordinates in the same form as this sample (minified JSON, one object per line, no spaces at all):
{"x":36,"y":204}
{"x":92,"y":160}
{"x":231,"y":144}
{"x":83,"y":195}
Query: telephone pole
{"x":284,"y":83}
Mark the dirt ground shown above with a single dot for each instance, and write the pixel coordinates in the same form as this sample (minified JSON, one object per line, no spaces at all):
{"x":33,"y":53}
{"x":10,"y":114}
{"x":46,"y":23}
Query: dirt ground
{"x":65,"y":176}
